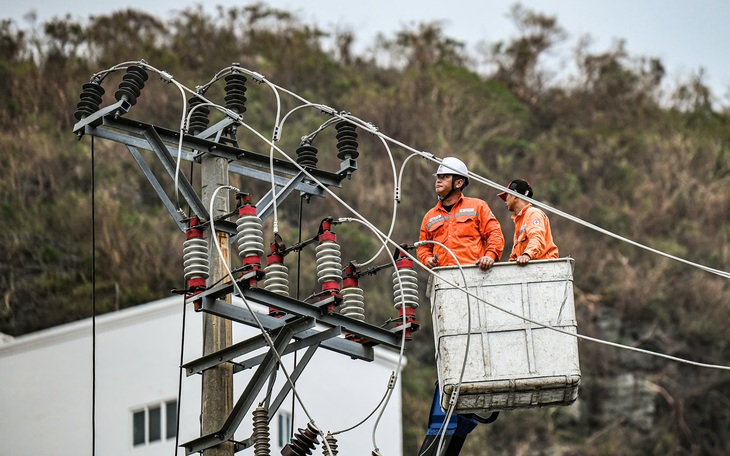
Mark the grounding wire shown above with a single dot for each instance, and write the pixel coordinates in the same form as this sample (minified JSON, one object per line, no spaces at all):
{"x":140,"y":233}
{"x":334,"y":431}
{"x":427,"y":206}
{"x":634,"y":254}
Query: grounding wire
{"x":455,"y":393}
{"x":614,"y":344}
{"x":264,"y":333}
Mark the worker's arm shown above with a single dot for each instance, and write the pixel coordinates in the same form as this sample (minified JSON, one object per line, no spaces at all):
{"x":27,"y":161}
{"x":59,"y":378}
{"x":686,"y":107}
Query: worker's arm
{"x":491,"y":233}
{"x":536,"y":232}
{"x":425,"y":251}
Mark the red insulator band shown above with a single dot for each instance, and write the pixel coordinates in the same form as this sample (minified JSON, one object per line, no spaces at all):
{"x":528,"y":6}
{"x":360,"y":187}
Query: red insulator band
{"x":248,"y":209}
{"x":192,"y":231}
{"x":252,"y":260}
{"x":275,"y":258}
{"x":327,"y":236}
{"x":196,"y":282}
{"x":402,"y":263}
{"x":330,"y":285}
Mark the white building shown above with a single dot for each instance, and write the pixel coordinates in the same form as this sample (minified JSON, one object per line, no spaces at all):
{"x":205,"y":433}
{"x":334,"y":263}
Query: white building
{"x":49,"y":381}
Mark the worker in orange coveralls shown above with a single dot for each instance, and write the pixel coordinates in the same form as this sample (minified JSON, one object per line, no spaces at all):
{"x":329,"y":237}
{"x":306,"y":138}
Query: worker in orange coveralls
{"x":465,"y":225}
{"x":533,"y":238}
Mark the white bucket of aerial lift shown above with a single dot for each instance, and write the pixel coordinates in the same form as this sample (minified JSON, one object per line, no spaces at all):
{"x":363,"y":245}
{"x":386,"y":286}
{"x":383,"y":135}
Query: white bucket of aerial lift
{"x":512,"y":363}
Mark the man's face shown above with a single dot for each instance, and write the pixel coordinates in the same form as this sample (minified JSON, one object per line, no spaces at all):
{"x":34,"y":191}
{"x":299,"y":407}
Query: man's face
{"x":443,"y":184}
{"x":511,"y":202}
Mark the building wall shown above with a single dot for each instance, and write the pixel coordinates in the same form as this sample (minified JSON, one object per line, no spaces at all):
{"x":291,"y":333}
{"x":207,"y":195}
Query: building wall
{"x":48,"y":378}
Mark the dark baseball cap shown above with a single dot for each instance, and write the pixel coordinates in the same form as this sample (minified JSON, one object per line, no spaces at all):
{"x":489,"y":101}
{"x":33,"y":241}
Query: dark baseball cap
{"x":518,"y":186}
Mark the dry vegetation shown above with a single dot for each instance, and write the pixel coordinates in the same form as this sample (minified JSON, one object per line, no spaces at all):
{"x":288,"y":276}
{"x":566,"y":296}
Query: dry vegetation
{"x":603,"y":149}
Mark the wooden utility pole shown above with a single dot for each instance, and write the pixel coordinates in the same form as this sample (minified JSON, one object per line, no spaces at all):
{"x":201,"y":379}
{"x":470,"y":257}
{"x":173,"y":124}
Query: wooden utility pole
{"x":217,"y":396}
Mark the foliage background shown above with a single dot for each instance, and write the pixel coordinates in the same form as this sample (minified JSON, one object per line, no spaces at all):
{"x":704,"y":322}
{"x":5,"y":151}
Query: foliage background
{"x":610,"y":146}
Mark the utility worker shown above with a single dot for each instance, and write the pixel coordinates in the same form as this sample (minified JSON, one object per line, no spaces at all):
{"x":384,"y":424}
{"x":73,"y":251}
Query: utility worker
{"x":533,"y":239}
{"x":465,"y":225}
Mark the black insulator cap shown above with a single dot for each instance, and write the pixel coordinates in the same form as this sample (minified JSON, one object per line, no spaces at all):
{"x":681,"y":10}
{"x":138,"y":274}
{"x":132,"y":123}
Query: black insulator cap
{"x":346,"y":140}
{"x":199,"y":120}
{"x":307,"y":156}
{"x":89,"y":100}
{"x":302,"y":444}
{"x":131,"y":85}
{"x":236,"y":92}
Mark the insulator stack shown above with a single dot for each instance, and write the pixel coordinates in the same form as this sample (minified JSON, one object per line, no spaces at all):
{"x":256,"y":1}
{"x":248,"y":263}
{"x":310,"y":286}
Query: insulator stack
{"x":236,"y":92}
{"x":89,"y":100}
{"x":307,"y":155}
{"x":332,"y":442}
{"x":303,"y":442}
{"x":346,"y":140}
{"x":250,"y":239}
{"x":261,"y":437}
{"x":405,"y":292}
{"x":198,"y":120}
{"x":329,"y":263}
{"x":276,"y":273}
{"x":195,"y":260}
{"x":353,"y":299}
{"x":195,"y":256}
{"x":131,"y":85}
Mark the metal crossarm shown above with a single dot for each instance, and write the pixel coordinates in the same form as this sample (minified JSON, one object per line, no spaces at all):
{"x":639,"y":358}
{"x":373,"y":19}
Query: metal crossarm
{"x":246,"y":400}
{"x":241,"y":348}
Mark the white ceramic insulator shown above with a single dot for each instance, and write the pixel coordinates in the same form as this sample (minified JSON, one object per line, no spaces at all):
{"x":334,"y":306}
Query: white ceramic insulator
{"x":250,"y":236}
{"x":329,"y":264}
{"x":195,"y":258}
{"x":353,"y":303}
{"x":405,"y":290}
{"x":276,"y":278}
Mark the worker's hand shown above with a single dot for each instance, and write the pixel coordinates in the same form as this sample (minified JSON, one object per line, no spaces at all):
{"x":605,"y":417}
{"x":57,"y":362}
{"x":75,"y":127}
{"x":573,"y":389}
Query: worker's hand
{"x":432,"y":262}
{"x":485,"y":262}
{"x":523,"y":259}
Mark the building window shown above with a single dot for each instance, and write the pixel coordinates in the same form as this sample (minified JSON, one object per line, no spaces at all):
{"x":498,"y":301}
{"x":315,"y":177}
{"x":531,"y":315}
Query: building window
{"x":284,"y":422}
{"x":154,"y":423}
{"x":170,"y":419}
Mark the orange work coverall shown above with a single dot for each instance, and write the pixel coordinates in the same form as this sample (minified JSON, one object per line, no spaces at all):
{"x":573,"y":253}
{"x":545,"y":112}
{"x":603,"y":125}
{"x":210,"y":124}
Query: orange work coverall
{"x":533,"y":235}
{"x":470,"y":230}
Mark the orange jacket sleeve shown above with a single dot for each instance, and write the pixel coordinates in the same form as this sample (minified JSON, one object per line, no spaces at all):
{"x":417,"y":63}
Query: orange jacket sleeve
{"x":491,"y":232}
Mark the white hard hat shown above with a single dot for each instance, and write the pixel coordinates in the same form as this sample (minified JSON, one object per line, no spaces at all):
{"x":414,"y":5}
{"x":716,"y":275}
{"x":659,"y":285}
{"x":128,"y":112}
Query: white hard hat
{"x":452,"y":165}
